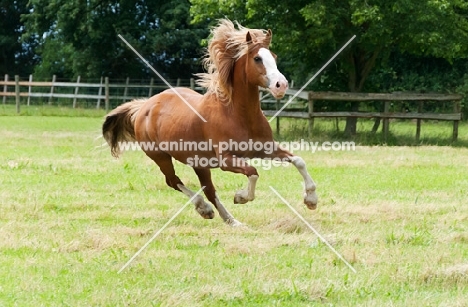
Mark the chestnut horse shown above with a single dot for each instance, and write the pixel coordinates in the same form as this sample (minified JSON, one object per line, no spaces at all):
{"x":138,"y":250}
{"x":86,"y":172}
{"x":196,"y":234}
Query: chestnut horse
{"x":238,"y":62}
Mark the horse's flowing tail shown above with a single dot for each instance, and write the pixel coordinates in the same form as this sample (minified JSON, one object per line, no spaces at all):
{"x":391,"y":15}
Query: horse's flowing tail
{"x":119,"y":125}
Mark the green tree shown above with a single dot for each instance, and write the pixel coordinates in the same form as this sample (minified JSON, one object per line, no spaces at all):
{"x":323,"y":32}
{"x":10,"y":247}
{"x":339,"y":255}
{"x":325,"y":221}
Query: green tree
{"x":307,"y":33}
{"x":16,"y":56}
{"x":78,"y":37}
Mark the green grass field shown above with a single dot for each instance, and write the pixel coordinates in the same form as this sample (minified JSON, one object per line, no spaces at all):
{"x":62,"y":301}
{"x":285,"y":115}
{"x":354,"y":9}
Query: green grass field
{"x":71,"y":216}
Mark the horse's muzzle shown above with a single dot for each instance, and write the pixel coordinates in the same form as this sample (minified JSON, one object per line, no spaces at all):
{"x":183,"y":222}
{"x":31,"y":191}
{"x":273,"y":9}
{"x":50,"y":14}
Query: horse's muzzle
{"x":278,"y":87}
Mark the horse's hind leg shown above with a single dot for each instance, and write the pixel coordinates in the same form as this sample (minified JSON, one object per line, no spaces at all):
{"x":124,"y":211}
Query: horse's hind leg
{"x":203,"y":208}
{"x":204,"y":175}
{"x":164,"y":161}
{"x":243,"y":196}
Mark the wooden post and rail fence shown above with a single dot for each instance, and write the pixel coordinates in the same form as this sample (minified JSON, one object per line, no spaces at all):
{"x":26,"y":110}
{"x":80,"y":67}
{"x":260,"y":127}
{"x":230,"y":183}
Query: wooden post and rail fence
{"x":386,"y":114}
{"x":102,"y":92}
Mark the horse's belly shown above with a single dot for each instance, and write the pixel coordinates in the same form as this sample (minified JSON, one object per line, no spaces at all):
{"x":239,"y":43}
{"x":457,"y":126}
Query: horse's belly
{"x":199,"y":159}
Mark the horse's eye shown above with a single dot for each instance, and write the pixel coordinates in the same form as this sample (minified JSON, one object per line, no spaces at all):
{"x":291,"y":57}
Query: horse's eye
{"x":257,"y":59}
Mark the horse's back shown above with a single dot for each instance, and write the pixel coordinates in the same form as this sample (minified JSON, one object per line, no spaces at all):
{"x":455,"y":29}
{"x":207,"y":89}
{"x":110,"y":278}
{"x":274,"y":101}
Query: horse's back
{"x":167,"y":111}
{"x":176,"y":94}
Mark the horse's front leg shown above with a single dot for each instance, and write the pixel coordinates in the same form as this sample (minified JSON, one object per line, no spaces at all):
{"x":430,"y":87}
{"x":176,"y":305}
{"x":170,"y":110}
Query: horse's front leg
{"x":238,"y":165}
{"x":310,"y":196}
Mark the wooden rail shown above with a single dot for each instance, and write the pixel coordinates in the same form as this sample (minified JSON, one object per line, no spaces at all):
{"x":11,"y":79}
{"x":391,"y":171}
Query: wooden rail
{"x":51,"y":91}
{"x":386,"y":115}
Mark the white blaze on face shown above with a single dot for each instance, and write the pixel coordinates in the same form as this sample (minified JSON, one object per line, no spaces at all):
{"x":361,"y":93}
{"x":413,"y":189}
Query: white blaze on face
{"x":277,"y":83}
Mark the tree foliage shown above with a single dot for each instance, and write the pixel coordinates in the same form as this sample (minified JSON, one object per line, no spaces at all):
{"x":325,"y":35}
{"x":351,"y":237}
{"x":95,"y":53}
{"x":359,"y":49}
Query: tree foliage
{"x":16,"y":56}
{"x":78,"y":37}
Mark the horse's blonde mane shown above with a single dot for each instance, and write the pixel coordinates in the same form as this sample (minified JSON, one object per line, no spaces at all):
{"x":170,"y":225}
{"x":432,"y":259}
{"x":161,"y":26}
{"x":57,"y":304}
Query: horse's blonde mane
{"x":226,"y":45}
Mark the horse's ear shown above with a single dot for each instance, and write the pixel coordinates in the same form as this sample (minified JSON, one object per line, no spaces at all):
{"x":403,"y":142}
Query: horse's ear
{"x":248,"y":38}
{"x":267,"y":40}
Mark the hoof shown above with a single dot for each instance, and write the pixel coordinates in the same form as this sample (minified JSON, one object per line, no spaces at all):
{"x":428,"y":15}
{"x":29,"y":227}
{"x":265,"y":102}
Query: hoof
{"x":205,"y":210}
{"x":240,"y":197}
{"x":234,"y":223}
{"x":311,"y":200}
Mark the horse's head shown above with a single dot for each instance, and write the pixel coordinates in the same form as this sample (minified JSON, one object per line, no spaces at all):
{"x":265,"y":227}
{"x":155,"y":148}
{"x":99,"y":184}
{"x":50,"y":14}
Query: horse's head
{"x":261,"y":67}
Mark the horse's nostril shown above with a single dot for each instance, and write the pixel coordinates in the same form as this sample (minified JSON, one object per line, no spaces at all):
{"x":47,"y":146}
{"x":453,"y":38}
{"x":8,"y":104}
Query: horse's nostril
{"x":277,"y":85}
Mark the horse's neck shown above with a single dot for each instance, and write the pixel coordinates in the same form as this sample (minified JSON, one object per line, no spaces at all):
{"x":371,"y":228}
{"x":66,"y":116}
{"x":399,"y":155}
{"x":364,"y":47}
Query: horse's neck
{"x":246,"y":100}
{"x":245,"y":97}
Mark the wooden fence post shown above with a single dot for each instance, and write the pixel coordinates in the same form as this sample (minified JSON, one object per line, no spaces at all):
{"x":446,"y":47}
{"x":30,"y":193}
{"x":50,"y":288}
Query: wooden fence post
{"x":107,"y":93}
{"x":418,"y":121}
{"x":29,"y":89}
{"x":150,"y":91}
{"x":192,"y":83}
{"x":178,"y":82}
{"x":386,"y":120}
{"x":98,"y":104}
{"x":310,"y":105}
{"x":17,"y":94}
{"x":126,"y":89}
{"x":5,"y":89}
{"x":456,"y":109}
{"x":52,"y":89}
{"x":277,"y":107}
{"x":76,"y":91}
